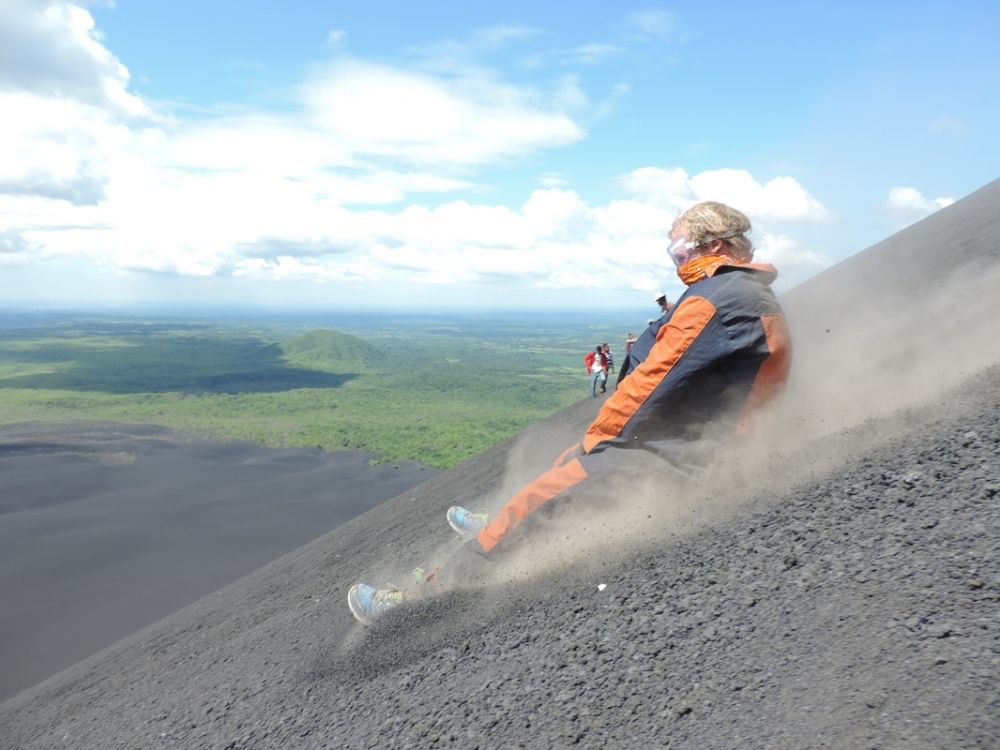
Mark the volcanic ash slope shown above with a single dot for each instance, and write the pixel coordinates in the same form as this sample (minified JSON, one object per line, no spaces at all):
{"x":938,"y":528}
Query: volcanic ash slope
{"x":836,"y":588}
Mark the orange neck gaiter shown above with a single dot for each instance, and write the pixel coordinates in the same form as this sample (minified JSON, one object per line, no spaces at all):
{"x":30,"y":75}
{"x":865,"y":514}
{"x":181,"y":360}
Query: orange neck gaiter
{"x":702,"y":267}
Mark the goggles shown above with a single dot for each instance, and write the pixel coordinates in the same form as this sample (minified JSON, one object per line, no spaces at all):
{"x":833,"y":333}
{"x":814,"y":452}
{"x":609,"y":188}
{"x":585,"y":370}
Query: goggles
{"x":680,"y":249}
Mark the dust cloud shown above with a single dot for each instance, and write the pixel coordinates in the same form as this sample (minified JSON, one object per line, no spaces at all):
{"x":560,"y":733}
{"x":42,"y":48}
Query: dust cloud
{"x":893,"y":329}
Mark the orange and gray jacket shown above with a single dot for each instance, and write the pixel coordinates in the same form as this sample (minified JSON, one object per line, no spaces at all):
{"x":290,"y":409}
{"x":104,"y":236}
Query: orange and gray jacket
{"x":722,"y":348}
{"x":713,"y":359}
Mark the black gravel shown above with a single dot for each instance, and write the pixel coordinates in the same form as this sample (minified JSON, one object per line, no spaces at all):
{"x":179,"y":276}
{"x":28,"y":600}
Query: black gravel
{"x":108,"y":527}
{"x":843,"y":594}
{"x":856,"y":609}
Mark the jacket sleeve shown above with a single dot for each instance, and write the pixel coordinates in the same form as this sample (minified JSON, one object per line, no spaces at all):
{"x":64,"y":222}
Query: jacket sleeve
{"x":673,"y":340}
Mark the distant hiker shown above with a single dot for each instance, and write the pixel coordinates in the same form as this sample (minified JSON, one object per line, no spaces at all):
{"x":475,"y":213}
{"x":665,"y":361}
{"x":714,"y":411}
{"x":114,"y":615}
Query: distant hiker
{"x":597,"y":367}
{"x":655,"y":323}
{"x":609,"y":364}
{"x":629,"y":343}
{"x":696,"y":376}
{"x":661,"y":300}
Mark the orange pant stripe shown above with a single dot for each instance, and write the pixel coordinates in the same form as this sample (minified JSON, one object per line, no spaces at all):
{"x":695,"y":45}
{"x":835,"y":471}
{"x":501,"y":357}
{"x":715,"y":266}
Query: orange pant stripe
{"x":532,"y":496}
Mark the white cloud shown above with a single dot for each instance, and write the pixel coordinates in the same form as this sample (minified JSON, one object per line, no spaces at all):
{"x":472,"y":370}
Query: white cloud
{"x":610,"y":103}
{"x":664,"y":187}
{"x":52,"y":148}
{"x":782,"y":198}
{"x":911,"y":201}
{"x":556,"y":239}
{"x":267,"y":144}
{"x":331,"y":191}
{"x":76,"y":123}
{"x":553,"y":180}
{"x":334,"y":37}
{"x":664,"y":193}
{"x":590,"y":54}
{"x":195,"y":223}
{"x":794,"y":262}
{"x":948,"y":125}
{"x":492,"y":37}
{"x":65,"y":102}
{"x":555,"y":214}
{"x":473,"y":119}
{"x":52,"y":49}
{"x":653,"y":23}
{"x":568,"y":94}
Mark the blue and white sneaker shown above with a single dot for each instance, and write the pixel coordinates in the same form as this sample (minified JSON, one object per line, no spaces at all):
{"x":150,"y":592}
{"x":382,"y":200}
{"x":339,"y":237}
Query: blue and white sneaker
{"x":368,"y":603}
{"x":464,"y":521}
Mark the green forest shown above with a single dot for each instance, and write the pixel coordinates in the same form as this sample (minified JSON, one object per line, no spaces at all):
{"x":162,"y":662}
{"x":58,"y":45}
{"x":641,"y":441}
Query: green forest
{"x":434,"y":389}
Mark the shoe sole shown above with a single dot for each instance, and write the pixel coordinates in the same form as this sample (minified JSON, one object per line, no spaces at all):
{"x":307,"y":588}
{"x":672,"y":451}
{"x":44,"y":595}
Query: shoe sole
{"x":355,"y":606}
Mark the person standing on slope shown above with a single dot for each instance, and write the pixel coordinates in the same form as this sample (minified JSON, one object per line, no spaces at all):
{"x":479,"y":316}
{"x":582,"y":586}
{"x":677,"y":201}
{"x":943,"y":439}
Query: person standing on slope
{"x":609,"y":364}
{"x":597,"y":367}
{"x":629,"y":343}
{"x":661,"y":300}
{"x":721,"y":352}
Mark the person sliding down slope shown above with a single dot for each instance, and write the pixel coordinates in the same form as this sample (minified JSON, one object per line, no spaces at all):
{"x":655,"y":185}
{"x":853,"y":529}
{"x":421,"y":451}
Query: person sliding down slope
{"x":721,"y":352}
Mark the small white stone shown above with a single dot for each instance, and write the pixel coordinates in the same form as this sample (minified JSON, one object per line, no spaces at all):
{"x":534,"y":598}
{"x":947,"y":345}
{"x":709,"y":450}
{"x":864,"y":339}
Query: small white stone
{"x":601,"y":586}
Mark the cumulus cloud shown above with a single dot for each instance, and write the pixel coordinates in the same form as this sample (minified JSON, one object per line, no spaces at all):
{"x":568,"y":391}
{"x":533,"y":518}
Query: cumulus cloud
{"x":909,"y":199}
{"x":233,"y":223}
{"x":468,"y":119}
{"x":66,"y":103}
{"x":662,"y":193}
{"x":781,"y":198}
{"x":332,"y":190}
{"x":908,"y":205}
{"x":53,"y":148}
{"x":555,"y":239}
{"x":794,"y":262}
{"x":663,"y":187}
{"x":52,"y":49}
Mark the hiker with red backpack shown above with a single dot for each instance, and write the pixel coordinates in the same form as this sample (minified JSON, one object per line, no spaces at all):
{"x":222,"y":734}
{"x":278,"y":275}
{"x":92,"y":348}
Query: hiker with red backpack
{"x":596,"y":363}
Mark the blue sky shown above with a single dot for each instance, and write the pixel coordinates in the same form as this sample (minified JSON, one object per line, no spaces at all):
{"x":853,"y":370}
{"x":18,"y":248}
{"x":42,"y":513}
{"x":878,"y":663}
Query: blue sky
{"x":444,"y":154}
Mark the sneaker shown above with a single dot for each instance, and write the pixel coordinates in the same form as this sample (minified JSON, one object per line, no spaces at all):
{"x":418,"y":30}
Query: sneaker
{"x":464,"y":521}
{"x":367,"y":603}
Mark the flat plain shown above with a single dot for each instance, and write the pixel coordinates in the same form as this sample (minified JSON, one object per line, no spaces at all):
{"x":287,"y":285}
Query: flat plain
{"x":430,"y":388}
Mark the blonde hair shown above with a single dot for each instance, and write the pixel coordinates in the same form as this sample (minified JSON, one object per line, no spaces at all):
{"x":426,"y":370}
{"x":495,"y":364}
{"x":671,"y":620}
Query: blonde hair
{"x":708,"y":221}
